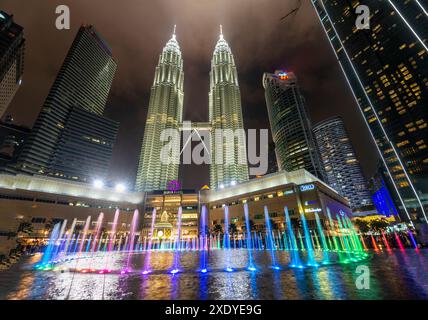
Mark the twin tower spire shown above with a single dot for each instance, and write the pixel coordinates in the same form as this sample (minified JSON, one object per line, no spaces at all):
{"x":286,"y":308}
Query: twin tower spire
{"x":157,"y":169}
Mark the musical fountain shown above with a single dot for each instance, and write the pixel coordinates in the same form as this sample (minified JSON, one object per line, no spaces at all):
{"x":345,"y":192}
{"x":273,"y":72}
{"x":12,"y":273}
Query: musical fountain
{"x":80,"y":251}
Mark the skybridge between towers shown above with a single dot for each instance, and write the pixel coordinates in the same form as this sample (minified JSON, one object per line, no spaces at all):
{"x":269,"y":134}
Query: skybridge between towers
{"x":195,"y":126}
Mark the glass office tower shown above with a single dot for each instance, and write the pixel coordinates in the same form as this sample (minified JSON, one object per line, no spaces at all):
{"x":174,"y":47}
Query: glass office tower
{"x":386,"y":68}
{"x":83,"y":82}
{"x":342,"y":168}
{"x":295,"y":146}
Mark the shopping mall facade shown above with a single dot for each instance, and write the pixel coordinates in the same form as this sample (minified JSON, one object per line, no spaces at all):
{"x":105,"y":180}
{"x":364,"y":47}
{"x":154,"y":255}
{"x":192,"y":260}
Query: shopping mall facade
{"x":31,"y":205}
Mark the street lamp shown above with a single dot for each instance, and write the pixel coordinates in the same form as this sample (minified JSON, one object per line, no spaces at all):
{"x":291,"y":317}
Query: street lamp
{"x":120,"y":187}
{"x":98,"y":184}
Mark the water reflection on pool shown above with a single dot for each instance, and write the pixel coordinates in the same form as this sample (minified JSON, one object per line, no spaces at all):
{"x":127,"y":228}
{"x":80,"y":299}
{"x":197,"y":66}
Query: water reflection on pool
{"x":396,"y":275}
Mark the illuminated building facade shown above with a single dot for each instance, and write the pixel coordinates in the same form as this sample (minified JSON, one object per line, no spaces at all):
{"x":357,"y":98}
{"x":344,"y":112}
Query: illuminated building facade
{"x":71,"y":119}
{"x":41,"y":201}
{"x":272,"y":163}
{"x":12,"y":45}
{"x":167,"y":204}
{"x":386,"y":67}
{"x":228,"y":158}
{"x":165,"y":112}
{"x":225,"y":113}
{"x":295,"y":147}
{"x":342,"y":169}
{"x":300,"y":191}
{"x":85,"y":148}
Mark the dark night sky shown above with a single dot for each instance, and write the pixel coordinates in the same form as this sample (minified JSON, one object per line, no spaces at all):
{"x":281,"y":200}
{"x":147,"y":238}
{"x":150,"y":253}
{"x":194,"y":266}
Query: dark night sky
{"x":137,"y":30}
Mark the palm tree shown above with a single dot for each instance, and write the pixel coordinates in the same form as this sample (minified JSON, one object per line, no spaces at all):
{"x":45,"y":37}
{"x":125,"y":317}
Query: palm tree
{"x":232,"y":228}
{"x":217,"y":229}
{"x":362,"y":225}
{"x":379,"y":225}
{"x":25,"y":227}
{"x":49,"y":226}
{"x":273,"y":225}
{"x":78,"y":228}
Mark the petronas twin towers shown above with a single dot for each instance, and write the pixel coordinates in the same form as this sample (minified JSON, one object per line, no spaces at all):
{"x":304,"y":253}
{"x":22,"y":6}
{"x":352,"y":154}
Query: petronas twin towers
{"x":166,"y":113}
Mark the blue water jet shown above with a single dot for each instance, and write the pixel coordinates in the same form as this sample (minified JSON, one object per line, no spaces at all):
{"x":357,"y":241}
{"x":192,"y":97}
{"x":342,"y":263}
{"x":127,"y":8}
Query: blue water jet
{"x":226,"y":239}
{"x":47,"y":255}
{"x":249,"y":242}
{"x":177,"y":249}
{"x":269,"y":238}
{"x":295,"y":259}
{"x":203,"y":264}
{"x":311,"y":257}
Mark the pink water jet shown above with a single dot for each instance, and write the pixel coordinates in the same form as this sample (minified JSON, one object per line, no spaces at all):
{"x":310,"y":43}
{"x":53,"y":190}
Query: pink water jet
{"x":85,"y":231}
{"x":400,"y":244}
{"x":113,"y":231}
{"x":97,"y":231}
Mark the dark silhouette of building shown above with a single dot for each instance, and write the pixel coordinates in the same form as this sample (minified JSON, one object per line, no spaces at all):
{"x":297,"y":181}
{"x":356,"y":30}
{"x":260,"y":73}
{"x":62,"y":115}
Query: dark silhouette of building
{"x":12,"y":138}
{"x":71,"y":138}
{"x":12,"y":45}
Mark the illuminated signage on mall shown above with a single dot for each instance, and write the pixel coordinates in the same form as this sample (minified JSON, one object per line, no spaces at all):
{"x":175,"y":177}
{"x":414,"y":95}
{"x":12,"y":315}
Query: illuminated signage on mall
{"x":313,"y":210}
{"x":310,"y":202}
{"x":189,"y":216}
{"x":307,"y":187}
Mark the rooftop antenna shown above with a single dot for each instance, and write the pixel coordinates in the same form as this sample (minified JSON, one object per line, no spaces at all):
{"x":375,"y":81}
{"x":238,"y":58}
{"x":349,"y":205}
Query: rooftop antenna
{"x":175,"y":27}
{"x":221,"y":32}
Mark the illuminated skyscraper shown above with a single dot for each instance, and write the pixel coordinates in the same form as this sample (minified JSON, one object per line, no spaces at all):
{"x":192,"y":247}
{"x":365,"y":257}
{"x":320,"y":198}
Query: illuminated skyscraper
{"x":12,"y":45}
{"x":85,"y":148}
{"x":71,"y":138}
{"x":342,"y":169}
{"x":165,"y":112}
{"x":272,"y":163}
{"x":291,"y":128}
{"x":386,"y":67}
{"x":225,"y":115}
